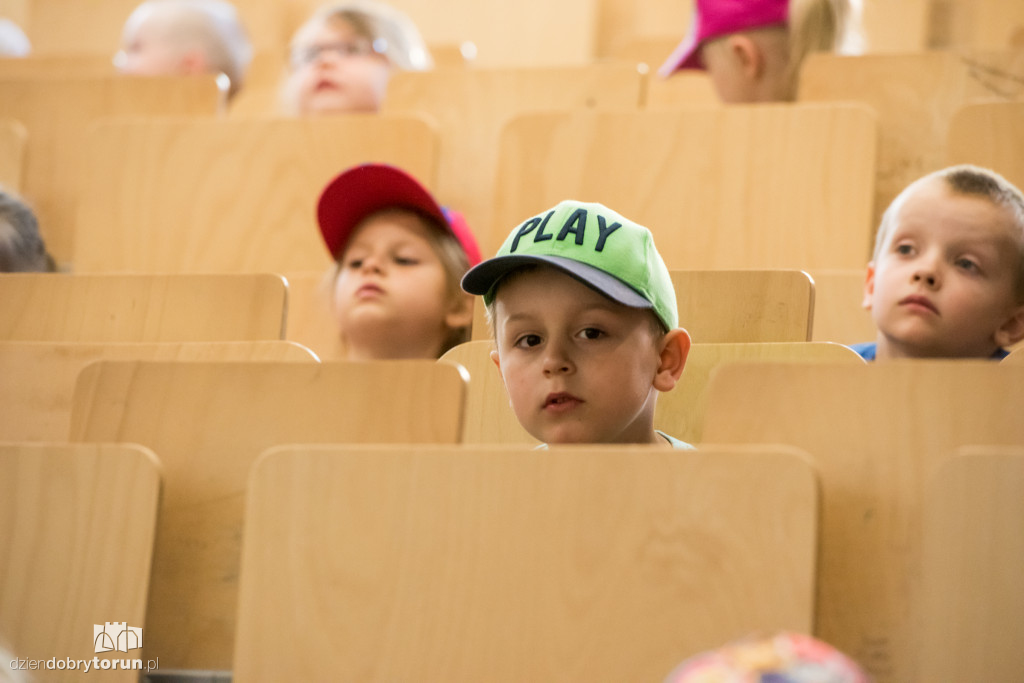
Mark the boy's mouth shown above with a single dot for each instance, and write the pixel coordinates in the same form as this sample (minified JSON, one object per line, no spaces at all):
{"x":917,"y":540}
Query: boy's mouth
{"x":916,"y":301}
{"x":561,"y":401}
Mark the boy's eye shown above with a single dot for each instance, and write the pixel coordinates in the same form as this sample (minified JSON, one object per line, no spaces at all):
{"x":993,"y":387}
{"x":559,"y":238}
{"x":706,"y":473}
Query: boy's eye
{"x":354,"y":263}
{"x":527,"y":340}
{"x":904,"y":249}
{"x":967,"y":264}
{"x":406,"y":261}
{"x":592,"y":333}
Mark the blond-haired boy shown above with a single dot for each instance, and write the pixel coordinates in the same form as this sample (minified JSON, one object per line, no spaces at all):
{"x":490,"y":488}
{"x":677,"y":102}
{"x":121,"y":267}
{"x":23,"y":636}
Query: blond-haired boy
{"x":585,"y":325}
{"x":947,"y":276}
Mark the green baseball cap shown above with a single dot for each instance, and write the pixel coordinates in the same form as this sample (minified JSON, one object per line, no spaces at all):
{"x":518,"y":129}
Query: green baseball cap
{"x":597,"y":246}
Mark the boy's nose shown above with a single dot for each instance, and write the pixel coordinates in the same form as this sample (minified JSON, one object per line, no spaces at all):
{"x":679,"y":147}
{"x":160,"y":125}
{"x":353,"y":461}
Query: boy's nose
{"x":927,"y":274}
{"x":556,"y":361}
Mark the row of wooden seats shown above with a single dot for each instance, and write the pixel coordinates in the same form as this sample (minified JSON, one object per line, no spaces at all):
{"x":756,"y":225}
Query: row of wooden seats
{"x":878,"y":560}
{"x":601,"y":27}
{"x":128,"y":190}
{"x":714,"y":306}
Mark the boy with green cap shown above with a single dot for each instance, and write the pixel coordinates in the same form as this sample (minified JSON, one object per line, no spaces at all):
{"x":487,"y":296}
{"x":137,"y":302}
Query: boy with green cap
{"x":585,"y":325}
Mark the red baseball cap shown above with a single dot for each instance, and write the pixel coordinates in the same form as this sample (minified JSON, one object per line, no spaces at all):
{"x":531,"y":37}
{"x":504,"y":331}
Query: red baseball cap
{"x":361,"y":190}
{"x":716,"y":18}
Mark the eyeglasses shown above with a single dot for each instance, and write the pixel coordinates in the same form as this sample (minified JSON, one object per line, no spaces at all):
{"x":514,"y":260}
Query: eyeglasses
{"x":346,"y":49}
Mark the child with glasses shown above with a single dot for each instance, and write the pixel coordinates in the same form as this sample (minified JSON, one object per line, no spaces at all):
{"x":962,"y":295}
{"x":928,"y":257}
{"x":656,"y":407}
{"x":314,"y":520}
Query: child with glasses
{"x":343,"y":56}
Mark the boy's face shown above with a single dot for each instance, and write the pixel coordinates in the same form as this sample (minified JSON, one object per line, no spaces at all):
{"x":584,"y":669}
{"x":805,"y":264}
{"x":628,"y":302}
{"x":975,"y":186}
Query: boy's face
{"x":943,"y":285}
{"x":146,"y":51}
{"x":336,"y":70}
{"x":578,"y":367}
{"x":392,"y":286}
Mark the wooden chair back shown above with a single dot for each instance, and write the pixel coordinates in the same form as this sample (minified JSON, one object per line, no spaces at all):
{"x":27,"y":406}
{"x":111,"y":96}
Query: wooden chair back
{"x":209,"y":421}
{"x":311,"y":318}
{"x":13,"y":140}
{"x":57,"y":113}
{"x":688,"y":88}
{"x":681,"y":411}
{"x":38,"y":378}
{"x":511,"y":564}
{"x":876,"y":433}
{"x":696,"y":177}
{"x":973,"y":547}
{"x":914,"y":96}
{"x":734,"y":306}
{"x":989,"y":134}
{"x":142,"y":308}
{"x":69,"y":27}
{"x":76,"y":542}
{"x":253,"y":208}
{"x":470,"y":107}
{"x":838,"y":313}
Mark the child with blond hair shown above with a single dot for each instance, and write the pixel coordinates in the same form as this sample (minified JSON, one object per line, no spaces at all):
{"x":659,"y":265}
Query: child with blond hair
{"x":753,"y":49}
{"x":183,"y":37}
{"x":342,"y":58}
{"x":585,"y":325}
{"x":399,"y":257}
{"x":947,"y":276}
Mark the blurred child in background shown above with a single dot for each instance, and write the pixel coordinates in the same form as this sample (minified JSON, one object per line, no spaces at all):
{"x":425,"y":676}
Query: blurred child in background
{"x":753,"y":49}
{"x":172,"y":37}
{"x":21,"y":246}
{"x":342,"y":58}
{"x":13,"y":41}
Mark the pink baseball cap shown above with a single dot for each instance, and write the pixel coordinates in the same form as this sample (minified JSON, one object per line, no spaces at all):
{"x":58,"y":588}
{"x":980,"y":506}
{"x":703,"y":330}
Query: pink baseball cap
{"x":361,"y":190}
{"x":715,"y":18}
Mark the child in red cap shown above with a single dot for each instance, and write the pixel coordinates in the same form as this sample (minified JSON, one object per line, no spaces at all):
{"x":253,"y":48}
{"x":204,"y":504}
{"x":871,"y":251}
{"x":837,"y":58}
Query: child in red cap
{"x":399,"y":259}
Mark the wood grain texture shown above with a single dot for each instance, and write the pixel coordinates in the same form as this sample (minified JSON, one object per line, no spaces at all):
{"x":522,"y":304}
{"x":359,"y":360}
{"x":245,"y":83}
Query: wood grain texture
{"x":876,"y":434}
{"x":765,"y":186}
{"x":973,"y":554}
{"x":76,"y":541}
{"x":915,"y":96}
{"x":470,"y":107}
{"x":209,"y":422}
{"x":989,"y":135}
{"x":511,"y":564}
{"x":57,"y":113}
{"x":37,"y":379}
{"x":253,"y":205}
{"x":141,"y":308}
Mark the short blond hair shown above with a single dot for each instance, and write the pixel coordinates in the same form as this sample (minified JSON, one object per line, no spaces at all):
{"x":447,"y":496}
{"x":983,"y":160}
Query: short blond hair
{"x":965,"y":180}
{"x":210,"y":25}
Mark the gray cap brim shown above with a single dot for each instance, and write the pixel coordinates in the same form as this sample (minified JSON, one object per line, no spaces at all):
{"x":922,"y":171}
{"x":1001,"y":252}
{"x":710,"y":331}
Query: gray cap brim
{"x":482,"y":278}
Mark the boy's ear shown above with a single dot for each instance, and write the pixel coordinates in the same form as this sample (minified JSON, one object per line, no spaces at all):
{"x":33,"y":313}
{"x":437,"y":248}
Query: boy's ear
{"x":460,"y":312}
{"x":193,"y":61}
{"x":746,"y":54}
{"x":1011,"y":331}
{"x":869,"y":286}
{"x":675,"y":347}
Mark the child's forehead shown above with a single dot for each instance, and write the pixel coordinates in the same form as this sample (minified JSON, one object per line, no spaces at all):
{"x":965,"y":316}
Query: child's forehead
{"x":400,"y":224}
{"x":539,"y":287}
